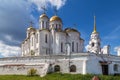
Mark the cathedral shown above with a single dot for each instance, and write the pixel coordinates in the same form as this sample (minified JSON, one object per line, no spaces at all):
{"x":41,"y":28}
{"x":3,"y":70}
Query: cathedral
{"x":51,"y":39}
{"x":50,"y":48}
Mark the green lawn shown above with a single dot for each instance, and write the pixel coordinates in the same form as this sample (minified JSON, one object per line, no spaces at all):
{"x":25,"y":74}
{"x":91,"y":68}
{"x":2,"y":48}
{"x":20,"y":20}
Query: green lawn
{"x":57,"y":76}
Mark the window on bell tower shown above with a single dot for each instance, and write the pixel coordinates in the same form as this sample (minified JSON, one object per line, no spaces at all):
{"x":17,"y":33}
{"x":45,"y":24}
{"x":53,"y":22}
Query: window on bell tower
{"x":99,"y":43}
{"x":93,"y":44}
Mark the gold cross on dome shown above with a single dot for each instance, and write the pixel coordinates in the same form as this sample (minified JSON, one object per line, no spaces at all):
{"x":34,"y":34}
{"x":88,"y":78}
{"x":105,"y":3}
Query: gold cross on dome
{"x":31,"y":23}
{"x":55,"y":10}
{"x":44,"y":9}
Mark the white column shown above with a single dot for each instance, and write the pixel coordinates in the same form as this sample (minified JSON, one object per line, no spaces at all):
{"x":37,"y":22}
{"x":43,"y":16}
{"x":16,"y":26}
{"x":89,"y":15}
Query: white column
{"x":53,"y":41}
{"x":68,"y":49}
{"x":84,"y":66}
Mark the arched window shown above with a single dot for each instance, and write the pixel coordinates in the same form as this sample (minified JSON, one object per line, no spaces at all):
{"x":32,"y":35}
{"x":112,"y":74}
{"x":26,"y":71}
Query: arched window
{"x":46,"y":40}
{"x":72,"y":68}
{"x":115,"y":67}
{"x":72,"y":46}
{"x":43,"y":24}
{"x":61,"y":47}
{"x":93,"y":44}
{"x":59,"y":26}
{"x":56,"y":68}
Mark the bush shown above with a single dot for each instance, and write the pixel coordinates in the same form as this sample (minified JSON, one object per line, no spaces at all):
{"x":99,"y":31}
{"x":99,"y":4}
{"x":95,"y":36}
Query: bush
{"x":32,"y":72}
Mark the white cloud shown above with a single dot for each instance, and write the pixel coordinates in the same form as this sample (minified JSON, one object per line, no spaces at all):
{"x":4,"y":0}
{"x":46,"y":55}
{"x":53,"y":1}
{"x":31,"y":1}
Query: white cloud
{"x":40,"y":3}
{"x":15,"y":16}
{"x":7,"y":50}
{"x":57,"y":3}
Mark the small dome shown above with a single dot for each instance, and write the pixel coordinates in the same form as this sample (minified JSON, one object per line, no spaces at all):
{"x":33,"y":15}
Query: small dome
{"x":31,"y":28}
{"x":55,"y":18}
{"x":43,"y":15}
{"x":70,"y":30}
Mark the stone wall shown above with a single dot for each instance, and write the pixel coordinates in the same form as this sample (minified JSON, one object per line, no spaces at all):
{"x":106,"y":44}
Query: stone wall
{"x":84,"y":63}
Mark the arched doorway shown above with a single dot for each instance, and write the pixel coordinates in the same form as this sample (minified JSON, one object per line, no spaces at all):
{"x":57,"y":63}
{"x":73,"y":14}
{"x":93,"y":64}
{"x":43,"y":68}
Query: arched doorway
{"x":56,"y":68}
{"x":72,"y":68}
{"x":115,"y":67}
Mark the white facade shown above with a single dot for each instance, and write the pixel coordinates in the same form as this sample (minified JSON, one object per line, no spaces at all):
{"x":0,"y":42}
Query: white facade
{"x":51,"y":49}
{"x":50,"y":38}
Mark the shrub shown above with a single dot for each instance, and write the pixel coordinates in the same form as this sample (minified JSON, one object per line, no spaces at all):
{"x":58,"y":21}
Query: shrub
{"x":32,"y":72}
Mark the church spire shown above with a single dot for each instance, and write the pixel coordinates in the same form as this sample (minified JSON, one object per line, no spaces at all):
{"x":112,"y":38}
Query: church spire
{"x":94,"y":30}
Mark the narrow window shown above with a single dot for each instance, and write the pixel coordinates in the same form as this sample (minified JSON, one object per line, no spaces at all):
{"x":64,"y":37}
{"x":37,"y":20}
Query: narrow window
{"x":46,"y":24}
{"x":46,"y":52}
{"x":37,"y":38}
{"x":59,"y":26}
{"x":43,"y":24}
{"x":93,"y":44}
{"x":77,"y":47}
{"x":56,"y":26}
{"x":61,"y":47}
{"x":99,"y":43}
{"x":52,"y":25}
{"x":72,"y":46}
{"x":46,"y":38}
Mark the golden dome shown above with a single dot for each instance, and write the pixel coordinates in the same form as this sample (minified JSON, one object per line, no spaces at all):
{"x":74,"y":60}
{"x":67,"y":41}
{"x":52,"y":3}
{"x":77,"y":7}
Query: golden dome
{"x":70,"y":30}
{"x":31,"y":28}
{"x":55,"y":18}
{"x":43,"y":15}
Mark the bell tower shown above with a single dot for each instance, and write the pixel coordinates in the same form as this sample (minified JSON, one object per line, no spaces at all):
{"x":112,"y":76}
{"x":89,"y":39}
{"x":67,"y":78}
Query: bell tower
{"x":94,"y":43}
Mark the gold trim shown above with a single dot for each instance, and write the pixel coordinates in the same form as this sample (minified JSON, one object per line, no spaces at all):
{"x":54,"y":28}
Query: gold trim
{"x":94,"y":30}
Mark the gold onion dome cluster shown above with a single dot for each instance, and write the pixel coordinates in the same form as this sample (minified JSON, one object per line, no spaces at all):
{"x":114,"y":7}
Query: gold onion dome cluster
{"x":55,"y":18}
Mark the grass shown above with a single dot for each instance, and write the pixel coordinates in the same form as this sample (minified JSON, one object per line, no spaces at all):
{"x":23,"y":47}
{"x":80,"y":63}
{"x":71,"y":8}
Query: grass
{"x":58,"y":76}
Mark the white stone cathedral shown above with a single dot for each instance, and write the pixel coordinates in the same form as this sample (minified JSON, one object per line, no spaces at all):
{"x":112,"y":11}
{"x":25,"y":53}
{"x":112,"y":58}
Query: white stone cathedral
{"x":50,"y":48}
{"x":50,"y":38}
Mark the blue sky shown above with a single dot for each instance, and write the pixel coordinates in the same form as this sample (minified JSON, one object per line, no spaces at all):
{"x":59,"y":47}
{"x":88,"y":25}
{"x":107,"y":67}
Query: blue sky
{"x":15,"y":16}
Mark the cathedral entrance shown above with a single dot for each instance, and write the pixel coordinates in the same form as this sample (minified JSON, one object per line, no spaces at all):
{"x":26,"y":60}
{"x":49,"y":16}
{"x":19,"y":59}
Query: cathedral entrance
{"x":72,"y":68}
{"x":56,"y":68}
{"x":104,"y":69}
